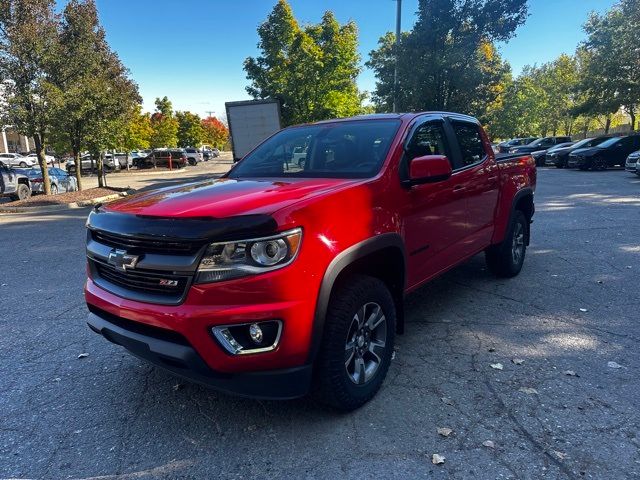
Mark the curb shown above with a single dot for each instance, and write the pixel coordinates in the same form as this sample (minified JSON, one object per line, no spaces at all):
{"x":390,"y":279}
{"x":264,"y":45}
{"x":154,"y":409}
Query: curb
{"x":67,"y":206}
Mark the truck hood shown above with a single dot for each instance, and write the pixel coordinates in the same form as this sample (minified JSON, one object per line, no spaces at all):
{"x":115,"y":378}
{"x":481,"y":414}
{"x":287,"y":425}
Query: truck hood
{"x":225,"y":197}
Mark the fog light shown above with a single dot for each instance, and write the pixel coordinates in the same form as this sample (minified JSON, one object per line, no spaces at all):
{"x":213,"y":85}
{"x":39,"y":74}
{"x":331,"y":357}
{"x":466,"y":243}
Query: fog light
{"x":255,"y":332}
{"x":246,"y":338}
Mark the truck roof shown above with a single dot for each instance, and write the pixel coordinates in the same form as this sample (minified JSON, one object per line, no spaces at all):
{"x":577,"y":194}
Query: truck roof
{"x":400,"y":116}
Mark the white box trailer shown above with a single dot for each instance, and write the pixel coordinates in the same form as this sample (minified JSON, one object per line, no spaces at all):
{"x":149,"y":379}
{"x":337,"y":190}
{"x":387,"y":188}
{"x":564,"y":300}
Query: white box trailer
{"x":250,"y":122}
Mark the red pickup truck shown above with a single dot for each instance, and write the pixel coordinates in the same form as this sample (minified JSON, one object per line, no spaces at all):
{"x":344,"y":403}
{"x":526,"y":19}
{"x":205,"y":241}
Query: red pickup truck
{"x":287,"y":275}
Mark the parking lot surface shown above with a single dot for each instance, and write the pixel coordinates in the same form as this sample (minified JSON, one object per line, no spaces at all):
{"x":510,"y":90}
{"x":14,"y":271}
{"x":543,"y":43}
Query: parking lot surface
{"x":545,"y":366}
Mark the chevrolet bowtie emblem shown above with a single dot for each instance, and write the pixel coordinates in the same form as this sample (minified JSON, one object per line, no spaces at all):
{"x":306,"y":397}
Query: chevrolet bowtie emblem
{"x":122,"y":261}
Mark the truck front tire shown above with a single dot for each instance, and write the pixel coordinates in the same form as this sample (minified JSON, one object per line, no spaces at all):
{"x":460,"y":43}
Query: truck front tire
{"x":506,"y":259}
{"x":357,"y":343}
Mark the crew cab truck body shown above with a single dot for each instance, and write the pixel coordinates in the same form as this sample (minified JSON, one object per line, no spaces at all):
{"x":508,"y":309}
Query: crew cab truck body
{"x":279,"y":279}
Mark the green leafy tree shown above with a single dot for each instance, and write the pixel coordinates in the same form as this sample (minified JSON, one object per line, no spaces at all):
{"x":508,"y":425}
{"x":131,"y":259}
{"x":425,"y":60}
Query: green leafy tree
{"x":190,"y":131}
{"x":137,"y":131}
{"x":610,"y":77}
{"x":95,"y":92}
{"x":447,"y":61}
{"x":28,"y":54}
{"x":164,"y":125}
{"x":312,"y":71}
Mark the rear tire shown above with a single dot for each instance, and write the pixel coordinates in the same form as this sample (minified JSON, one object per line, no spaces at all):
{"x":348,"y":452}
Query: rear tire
{"x":23,"y":164}
{"x":506,"y":259}
{"x":357,"y":343}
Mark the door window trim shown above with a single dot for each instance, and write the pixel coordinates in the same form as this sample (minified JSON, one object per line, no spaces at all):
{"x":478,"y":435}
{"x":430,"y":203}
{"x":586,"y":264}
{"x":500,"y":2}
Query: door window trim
{"x":403,"y":168}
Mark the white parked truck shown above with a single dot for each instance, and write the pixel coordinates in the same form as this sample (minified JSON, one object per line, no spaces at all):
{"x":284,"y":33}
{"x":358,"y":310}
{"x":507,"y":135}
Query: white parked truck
{"x":250,"y":122}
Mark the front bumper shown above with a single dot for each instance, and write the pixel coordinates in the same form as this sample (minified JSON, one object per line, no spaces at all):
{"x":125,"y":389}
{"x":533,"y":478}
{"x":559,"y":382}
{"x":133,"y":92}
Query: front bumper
{"x":173,"y":353}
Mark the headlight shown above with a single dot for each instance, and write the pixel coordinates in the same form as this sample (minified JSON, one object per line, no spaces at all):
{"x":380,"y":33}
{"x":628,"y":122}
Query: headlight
{"x":228,"y":260}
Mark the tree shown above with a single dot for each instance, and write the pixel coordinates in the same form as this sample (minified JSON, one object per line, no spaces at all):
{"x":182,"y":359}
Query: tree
{"x":448,"y":60}
{"x":137,"y":131}
{"x":164,"y":125}
{"x":610,"y":77}
{"x":28,"y":53}
{"x":312,"y":71}
{"x":215,"y":132}
{"x":95,"y":92}
{"x":190,"y":131}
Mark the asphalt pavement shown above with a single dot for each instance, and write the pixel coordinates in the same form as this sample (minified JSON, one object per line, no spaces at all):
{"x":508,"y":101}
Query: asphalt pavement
{"x":544,"y":366}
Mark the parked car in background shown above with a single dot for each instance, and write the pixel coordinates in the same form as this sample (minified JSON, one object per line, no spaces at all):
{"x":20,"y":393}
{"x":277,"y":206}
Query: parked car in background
{"x":638,"y":168}
{"x":300,"y":155}
{"x":559,"y":155}
{"x":17,"y":160}
{"x":540,"y":155}
{"x":193,"y":156}
{"x":632,"y":162}
{"x":504,"y":147}
{"x":167,"y":158}
{"x":613,"y":151}
{"x":90,"y":164}
{"x":49,"y":158}
{"x":540,"y":144}
{"x":59,"y":180}
{"x":13,"y":184}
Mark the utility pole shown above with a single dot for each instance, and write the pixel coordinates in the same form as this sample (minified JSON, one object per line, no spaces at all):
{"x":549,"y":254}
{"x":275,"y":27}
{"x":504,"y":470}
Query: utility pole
{"x":209,"y":112}
{"x":395,"y":72}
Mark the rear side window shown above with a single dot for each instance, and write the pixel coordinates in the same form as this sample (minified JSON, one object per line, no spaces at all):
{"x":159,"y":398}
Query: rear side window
{"x":470,"y":140}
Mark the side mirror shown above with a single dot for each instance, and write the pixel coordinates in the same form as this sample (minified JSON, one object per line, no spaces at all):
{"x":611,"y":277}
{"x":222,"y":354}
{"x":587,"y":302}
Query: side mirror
{"x":428,"y":169}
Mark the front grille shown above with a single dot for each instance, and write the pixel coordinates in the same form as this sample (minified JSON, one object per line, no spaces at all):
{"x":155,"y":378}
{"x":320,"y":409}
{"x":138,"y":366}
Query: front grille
{"x":165,"y":284}
{"x":142,"y":245}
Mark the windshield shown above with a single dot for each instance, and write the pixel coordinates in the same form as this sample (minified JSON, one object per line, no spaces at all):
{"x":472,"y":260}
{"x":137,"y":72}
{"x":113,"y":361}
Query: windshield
{"x":538,"y":142}
{"x":560,"y":146}
{"x":34,"y":173}
{"x":609,"y":142}
{"x":587,"y":142}
{"x":354,"y":149}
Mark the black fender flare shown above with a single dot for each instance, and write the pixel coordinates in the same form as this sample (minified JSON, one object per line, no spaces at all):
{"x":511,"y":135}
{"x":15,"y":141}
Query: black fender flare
{"x":520,"y":194}
{"x":337,"y":266}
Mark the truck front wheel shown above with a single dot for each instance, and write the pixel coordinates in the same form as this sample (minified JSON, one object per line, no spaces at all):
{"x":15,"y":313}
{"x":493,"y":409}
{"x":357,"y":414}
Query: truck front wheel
{"x":506,"y":259}
{"x":357,"y":343}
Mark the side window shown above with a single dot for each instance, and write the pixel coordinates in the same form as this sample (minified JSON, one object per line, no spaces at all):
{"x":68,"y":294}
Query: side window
{"x":428,"y":139}
{"x":470,"y":141}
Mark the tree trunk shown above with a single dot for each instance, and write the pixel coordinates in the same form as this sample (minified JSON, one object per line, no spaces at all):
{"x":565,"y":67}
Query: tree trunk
{"x":101,"y":182}
{"x":42,"y":160}
{"x":607,"y":125}
{"x":78,"y":162}
{"x":633,"y":119}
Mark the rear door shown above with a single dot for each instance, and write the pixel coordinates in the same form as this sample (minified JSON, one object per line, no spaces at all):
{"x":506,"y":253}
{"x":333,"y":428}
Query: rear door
{"x":476,"y":175}
{"x":435,"y":223}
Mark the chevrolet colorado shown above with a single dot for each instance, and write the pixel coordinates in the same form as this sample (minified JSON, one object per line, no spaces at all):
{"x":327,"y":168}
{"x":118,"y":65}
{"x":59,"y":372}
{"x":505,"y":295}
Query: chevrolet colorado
{"x":283,"y":278}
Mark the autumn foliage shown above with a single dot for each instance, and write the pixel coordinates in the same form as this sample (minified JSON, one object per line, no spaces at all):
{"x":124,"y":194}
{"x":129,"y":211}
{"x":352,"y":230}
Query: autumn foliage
{"x":216,"y":133}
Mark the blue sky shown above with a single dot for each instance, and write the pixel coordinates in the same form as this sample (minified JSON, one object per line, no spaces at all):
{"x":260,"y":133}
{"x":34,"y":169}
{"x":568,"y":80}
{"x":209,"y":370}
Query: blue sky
{"x":192,"y":50}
